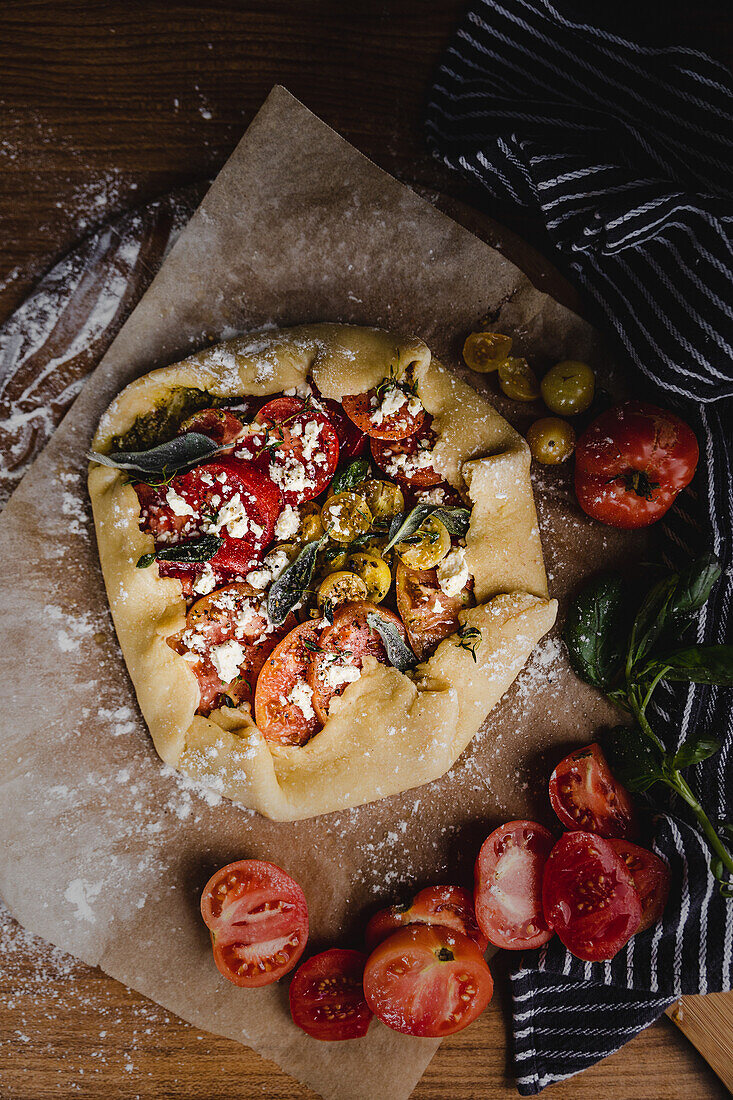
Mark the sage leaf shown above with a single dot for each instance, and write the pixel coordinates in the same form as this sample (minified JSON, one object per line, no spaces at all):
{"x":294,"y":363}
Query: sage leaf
{"x":350,"y":476}
{"x":199,"y":549}
{"x":634,"y":760}
{"x":288,"y":589}
{"x":708,"y":664}
{"x":398,"y":652}
{"x":161,"y":463}
{"x":693,"y":751}
{"x":595,"y":631}
{"x":456,"y":520}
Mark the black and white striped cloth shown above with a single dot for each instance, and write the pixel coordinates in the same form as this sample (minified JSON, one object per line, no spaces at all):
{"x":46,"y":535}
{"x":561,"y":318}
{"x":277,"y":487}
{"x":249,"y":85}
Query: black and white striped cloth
{"x":624,"y":156}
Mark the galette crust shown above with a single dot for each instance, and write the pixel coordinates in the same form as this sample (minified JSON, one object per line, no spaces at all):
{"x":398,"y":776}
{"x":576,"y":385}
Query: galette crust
{"x":388,"y":732}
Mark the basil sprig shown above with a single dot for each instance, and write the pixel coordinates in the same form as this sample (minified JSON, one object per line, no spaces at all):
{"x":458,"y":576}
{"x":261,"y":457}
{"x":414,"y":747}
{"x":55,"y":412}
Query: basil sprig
{"x":627,"y":655}
{"x":350,"y":476}
{"x":456,"y":520}
{"x":159,"y":464}
{"x":199,"y":549}
{"x":288,"y":589}
{"x":399,"y":653}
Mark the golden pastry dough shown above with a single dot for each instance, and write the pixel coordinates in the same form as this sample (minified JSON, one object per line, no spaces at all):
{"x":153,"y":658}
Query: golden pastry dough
{"x":388,"y":732}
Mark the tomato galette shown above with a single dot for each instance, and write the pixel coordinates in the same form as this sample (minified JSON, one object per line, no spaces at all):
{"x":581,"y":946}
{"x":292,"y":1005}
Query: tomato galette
{"x":323,"y":563}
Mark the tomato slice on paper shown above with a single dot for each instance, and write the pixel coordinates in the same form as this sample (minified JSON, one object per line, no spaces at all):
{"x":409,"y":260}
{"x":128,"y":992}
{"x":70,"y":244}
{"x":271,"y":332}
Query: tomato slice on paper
{"x":585,"y":795}
{"x":449,"y":906}
{"x":283,"y":699}
{"x":427,"y":980}
{"x":589,"y":897}
{"x":366,"y":411}
{"x":258,"y":920}
{"x":651,"y":879}
{"x":409,"y":461}
{"x":327,"y":996}
{"x":508,"y":891}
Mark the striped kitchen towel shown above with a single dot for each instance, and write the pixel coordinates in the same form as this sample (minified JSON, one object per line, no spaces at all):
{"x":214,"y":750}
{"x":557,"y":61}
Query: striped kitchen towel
{"x":623,"y":155}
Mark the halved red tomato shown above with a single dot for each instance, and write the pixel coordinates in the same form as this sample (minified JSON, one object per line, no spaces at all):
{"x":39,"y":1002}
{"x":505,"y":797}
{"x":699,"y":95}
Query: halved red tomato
{"x":450,"y":906}
{"x":258,"y":920}
{"x":353,"y":443}
{"x":409,"y":461}
{"x":508,"y":877}
{"x":385,"y":412}
{"x":236,"y":613}
{"x":186,"y":507}
{"x":428,"y":613}
{"x":221,"y":425}
{"x":297,"y":448}
{"x":284,"y":708}
{"x":427,"y":980}
{"x":327,"y":996}
{"x":651,"y":879}
{"x":341,"y":651}
{"x":585,"y":795}
{"x":588,"y":896}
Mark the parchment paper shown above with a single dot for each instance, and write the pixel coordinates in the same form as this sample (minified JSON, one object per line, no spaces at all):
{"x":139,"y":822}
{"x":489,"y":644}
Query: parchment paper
{"x":105,"y":851}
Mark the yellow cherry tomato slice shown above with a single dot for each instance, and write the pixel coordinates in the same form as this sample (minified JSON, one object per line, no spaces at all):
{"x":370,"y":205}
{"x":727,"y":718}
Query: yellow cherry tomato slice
{"x":385,"y":499}
{"x":341,"y":587}
{"x":311,"y":524}
{"x":428,"y":546}
{"x":551,"y":440}
{"x":484,"y":351}
{"x":568,"y":387}
{"x":518,"y":380}
{"x":374,"y":571}
{"x":346,"y":516}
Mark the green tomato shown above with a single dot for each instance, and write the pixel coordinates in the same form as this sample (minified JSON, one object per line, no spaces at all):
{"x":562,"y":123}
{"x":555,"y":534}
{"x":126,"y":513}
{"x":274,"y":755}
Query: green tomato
{"x":568,"y":387}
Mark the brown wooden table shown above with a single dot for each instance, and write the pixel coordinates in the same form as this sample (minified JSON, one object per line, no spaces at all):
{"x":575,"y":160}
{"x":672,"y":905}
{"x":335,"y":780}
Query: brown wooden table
{"x":105,"y":104}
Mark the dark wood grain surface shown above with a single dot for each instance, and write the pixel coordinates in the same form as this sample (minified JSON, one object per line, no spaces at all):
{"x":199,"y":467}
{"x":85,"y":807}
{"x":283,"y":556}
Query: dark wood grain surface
{"x":104,"y":105}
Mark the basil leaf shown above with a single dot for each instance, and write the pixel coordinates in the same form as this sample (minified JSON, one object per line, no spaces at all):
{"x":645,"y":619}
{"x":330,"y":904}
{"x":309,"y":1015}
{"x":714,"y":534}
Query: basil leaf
{"x":634,"y":760}
{"x":693,"y":589}
{"x":693,"y":751}
{"x":651,"y":619}
{"x":709,"y":664}
{"x":199,"y":549}
{"x":350,"y":476}
{"x":399,"y":653}
{"x":288,"y":589}
{"x":456,"y":520}
{"x":161,"y":463}
{"x":595,"y":631}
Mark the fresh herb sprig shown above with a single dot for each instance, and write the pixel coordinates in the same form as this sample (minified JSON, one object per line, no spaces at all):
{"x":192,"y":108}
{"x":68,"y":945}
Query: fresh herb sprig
{"x":158,"y":465}
{"x":398,"y":651}
{"x":456,"y":520}
{"x":469,"y":638}
{"x":292,"y":584}
{"x":627,"y":658}
{"x":189,"y":552}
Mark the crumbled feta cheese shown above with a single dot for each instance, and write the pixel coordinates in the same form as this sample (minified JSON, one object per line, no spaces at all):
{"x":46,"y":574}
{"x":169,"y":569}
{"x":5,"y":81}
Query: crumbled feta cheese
{"x":177,"y":504}
{"x":301,"y":697}
{"x":276,"y":562}
{"x":303,"y":389}
{"x":234,"y":517}
{"x":393,"y":399}
{"x":415,"y":405}
{"x":259,"y":578}
{"x":289,"y":474}
{"x":206,"y":582}
{"x":226,"y":659}
{"x":432,"y":496}
{"x":338,"y":674}
{"x":437,"y":607}
{"x":453,"y":574}
{"x":288,"y":523}
{"x":310,"y":439}
{"x":408,"y":465}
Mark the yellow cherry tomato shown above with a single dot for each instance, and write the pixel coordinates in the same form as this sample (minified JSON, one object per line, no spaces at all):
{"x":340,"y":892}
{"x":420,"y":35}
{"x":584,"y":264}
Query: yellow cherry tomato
{"x":374,"y":571}
{"x":551,"y":440}
{"x":346,"y":516}
{"x":428,"y":546}
{"x":385,"y":499}
{"x":291,"y":548}
{"x":341,"y":587}
{"x":311,"y":524}
{"x":483,"y":351}
{"x":568,"y":387}
{"x":518,"y":380}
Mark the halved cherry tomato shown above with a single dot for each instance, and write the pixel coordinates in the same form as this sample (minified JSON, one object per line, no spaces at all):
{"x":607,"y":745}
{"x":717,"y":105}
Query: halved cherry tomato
{"x":234,"y":612}
{"x":342,"y":648}
{"x":353,"y":443}
{"x":585,"y":795}
{"x":508,"y":877}
{"x":327,"y":996}
{"x":449,"y":906}
{"x":297,"y":447}
{"x":588,"y":896}
{"x":283,"y":703}
{"x":202,"y":494}
{"x":365,"y":410}
{"x":221,"y":425}
{"x":427,"y":980}
{"x":409,"y":461}
{"x":631,"y":463}
{"x":258,"y":920}
{"x":651,"y":879}
{"x":428,"y":613}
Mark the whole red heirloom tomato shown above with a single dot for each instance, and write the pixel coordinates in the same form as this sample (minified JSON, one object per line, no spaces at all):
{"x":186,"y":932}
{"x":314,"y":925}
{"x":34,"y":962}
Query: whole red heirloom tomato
{"x":631,"y":463}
